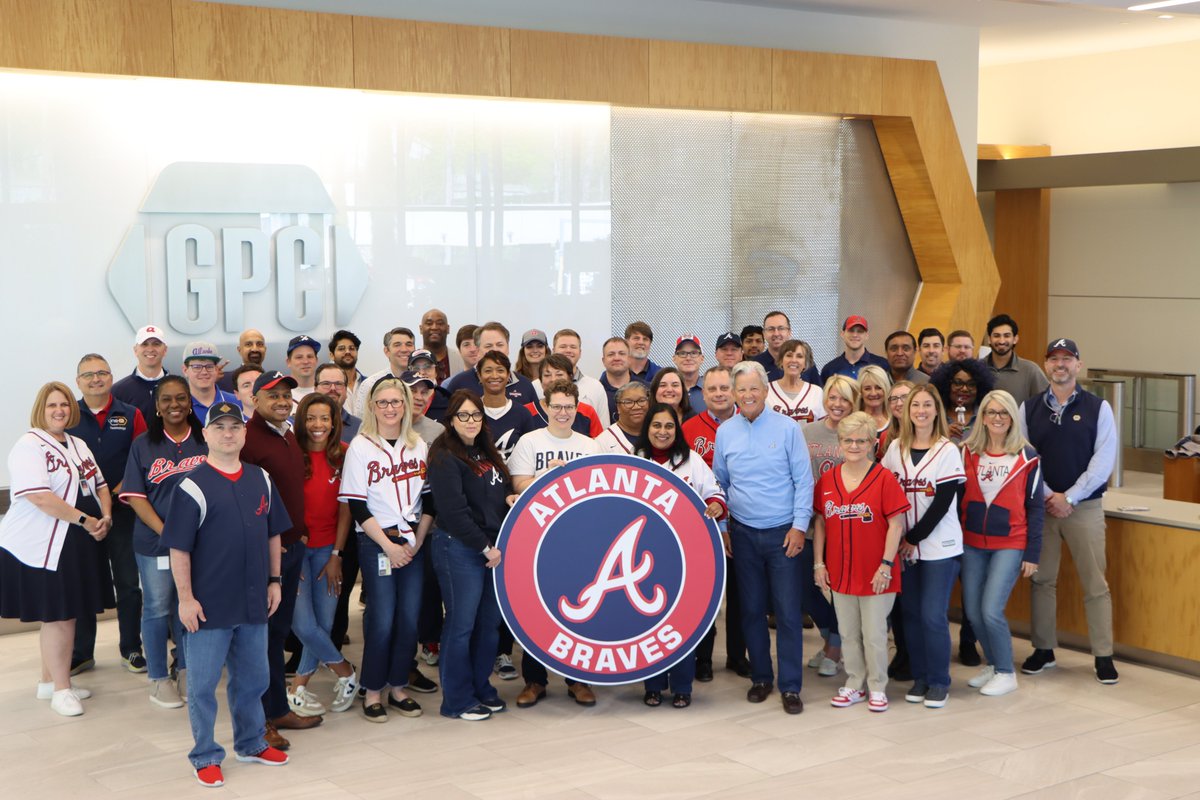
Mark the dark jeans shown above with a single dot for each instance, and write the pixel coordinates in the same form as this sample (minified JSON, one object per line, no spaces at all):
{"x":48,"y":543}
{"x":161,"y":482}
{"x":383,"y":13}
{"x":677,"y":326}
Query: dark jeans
{"x":279,"y":625}
{"x":471,"y":627}
{"x":533,"y":672}
{"x":341,"y":615}
{"x":118,"y":547}
{"x":735,"y":642}
{"x":925,"y":596}
{"x":765,"y":573}
{"x":390,"y":621}
{"x":429,"y":621}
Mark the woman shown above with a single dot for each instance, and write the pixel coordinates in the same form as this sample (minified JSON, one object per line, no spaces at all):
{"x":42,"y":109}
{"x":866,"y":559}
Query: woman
{"x":319,"y":434}
{"x":858,"y":532}
{"x":961,"y":384}
{"x":172,"y":446}
{"x":929,"y":468}
{"x":50,"y":557}
{"x":667,"y":387}
{"x":662,"y":442}
{"x":506,"y":421}
{"x":533,"y":353}
{"x":895,"y":407}
{"x":557,"y":367}
{"x":841,"y":399}
{"x":472,"y":490}
{"x":1003,"y":510}
{"x":875,"y":384}
{"x":791,"y":395}
{"x":383,"y":479}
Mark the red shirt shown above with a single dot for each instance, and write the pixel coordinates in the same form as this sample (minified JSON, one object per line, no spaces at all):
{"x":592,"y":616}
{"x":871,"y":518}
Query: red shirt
{"x":320,"y":500}
{"x":856,"y":526}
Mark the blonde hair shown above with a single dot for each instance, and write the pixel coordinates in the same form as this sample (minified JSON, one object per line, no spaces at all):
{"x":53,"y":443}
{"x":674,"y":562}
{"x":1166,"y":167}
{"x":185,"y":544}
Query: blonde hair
{"x":37,"y":417}
{"x":908,"y":431}
{"x":370,"y":425}
{"x":1014,"y":442}
{"x":878,"y":376}
{"x":858,"y":421}
{"x":847,"y":387}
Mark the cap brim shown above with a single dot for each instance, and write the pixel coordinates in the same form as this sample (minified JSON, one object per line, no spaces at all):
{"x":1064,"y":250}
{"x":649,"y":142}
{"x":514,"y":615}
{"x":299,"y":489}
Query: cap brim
{"x":286,"y":380}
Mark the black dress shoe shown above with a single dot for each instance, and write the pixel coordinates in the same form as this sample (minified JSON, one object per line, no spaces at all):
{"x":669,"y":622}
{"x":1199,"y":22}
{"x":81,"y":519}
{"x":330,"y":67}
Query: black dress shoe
{"x":792,"y":703}
{"x":759,"y":692}
{"x":704,"y":671}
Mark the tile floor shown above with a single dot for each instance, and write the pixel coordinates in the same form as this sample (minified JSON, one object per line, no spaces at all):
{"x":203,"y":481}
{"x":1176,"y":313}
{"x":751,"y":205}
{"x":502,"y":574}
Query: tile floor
{"x":1062,"y":735}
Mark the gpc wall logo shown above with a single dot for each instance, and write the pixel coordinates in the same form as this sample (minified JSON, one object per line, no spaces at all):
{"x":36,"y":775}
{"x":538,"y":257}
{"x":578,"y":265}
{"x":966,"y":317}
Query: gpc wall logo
{"x":213,"y":238}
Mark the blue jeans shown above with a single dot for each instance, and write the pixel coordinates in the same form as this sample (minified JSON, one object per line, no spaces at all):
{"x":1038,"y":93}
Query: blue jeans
{"x":471,"y":628}
{"x":160,"y":612}
{"x":925,"y":597}
{"x":678,"y":678}
{"x":764,"y":572}
{"x":820,"y":609}
{"x":313,"y":617}
{"x":988,"y":577}
{"x":243,"y":649}
{"x":390,"y":621}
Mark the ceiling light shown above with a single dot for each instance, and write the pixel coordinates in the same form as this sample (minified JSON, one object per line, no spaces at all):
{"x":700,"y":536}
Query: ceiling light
{"x":1165,"y":16}
{"x":1162,"y":4}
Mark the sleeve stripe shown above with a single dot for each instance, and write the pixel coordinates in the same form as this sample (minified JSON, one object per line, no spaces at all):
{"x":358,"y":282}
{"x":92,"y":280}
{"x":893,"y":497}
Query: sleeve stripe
{"x":31,"y":490}
{"x":193,"y":491}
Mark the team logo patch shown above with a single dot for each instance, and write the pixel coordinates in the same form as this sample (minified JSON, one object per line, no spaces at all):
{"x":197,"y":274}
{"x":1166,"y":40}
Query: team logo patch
{"x":611,"y":572}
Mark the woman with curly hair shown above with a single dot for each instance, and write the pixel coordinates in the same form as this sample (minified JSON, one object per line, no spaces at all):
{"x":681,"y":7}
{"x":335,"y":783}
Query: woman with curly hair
{"x":961,"y":384}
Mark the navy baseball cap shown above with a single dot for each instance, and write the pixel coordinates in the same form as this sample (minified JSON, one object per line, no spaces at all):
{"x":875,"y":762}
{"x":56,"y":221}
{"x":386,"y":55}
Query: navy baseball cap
{"x":729,"y":337}
{"x":303,"y":341}
{"x":413,"y":380}
{"x":221,"y":410}
{"x":1063,"y":345}
{"x":688,"y":338}
{"x":418,"y":355}
{"x":269,"y":380}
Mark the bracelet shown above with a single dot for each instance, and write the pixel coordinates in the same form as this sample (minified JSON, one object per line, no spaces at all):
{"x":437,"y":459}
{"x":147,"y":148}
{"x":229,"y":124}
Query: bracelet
{"x":335,"y":552}
{"x":820,"y":564}
{"x":887,"y":563}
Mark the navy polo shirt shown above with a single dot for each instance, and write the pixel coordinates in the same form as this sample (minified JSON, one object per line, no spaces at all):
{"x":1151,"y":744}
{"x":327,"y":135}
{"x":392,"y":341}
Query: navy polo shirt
{"x":775,"y":372}
{"x":840,"y":366}
{"x":225,"y":522}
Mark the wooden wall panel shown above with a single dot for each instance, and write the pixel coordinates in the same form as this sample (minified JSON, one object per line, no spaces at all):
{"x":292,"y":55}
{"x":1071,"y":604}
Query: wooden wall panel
{"x":826,"y":83}
{"x":262,"y":45}
{"x":112,"y":37}
{"x":403,"y":56}
{"x":565,"y":66}
{"x":688,"y":75}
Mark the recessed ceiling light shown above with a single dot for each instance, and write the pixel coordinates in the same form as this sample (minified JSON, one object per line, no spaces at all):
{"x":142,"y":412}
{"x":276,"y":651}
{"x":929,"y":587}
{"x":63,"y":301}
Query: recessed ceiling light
{"x":1162,"y":4}
{"x":1165,"y":16}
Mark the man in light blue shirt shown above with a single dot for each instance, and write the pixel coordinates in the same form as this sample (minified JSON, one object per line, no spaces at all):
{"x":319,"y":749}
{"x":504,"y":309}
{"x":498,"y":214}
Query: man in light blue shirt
{"x":762,"y":462}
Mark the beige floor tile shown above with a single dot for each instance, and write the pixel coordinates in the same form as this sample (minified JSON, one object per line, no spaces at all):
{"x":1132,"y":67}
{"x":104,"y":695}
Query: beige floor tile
{"x":964,"y":781}
{"x":801,"y":751}
{"x":841,"y":779}
{"x":1057,"y":762}
{"x":682,"y":780}
{"x":1095,"y":787}
{"x":913,"y":761}
{"x":1175,"y":773}
{"x":1155,"y":734}
{"x":1033,"y":727}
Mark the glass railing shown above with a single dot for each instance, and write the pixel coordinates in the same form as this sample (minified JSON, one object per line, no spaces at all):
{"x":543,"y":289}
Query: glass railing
{"x":1159,"y":409}
{"x":1114,"y":392}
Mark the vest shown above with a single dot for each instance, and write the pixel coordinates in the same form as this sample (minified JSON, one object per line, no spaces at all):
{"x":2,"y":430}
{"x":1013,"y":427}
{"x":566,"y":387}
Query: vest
{"x":110,"y":444}
{"x":1002,"y":525}
{"x":1068,"y":444}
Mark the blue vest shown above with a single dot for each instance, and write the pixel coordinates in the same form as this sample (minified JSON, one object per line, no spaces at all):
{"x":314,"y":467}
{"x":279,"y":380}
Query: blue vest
{"x":110,"y":444}
{"x":1066,"y":445}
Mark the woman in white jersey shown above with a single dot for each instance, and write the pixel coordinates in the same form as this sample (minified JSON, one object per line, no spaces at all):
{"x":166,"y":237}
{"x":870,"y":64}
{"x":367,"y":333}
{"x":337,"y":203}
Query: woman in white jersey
{"x":791,"y":395}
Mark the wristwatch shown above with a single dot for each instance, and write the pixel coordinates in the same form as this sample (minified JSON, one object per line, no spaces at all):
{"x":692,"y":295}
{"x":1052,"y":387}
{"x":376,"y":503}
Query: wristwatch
{"x":275,"y":579}
{"x":885,"y":562}
{"x":335,"y":552}
{"x":82,"y":519}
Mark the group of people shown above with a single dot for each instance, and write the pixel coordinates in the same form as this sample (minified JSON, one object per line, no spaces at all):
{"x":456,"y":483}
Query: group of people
{"x":225,"y":511}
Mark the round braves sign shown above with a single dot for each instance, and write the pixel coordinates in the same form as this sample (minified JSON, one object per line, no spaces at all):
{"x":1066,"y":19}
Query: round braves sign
{"x":611,"y":572}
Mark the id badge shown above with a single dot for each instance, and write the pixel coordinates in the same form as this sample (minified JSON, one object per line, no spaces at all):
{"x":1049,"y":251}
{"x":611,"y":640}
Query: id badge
{"x":164,"y":563}
{"x":385,"y":565}
{"x":86,"y":488}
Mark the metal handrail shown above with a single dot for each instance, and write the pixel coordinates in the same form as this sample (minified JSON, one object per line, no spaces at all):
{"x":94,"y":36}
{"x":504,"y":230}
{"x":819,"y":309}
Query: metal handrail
{"x":1186,"y":388}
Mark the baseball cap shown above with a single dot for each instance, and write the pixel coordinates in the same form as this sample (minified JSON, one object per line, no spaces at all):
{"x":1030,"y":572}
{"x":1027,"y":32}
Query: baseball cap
{"x":221,"y":410}
{"x":418,"y":355}
{"x":729,"y":337}
{"x":533,"y":335}
{"x":1065,"y":345}
{"x":200,"y":351}
{"x":855,"y":319}
{"x":688,"y":338}
{"x":412,"y":380}
{"x":147,"y":333}
{"x":269,"y":380}
{"x":303,"y":341}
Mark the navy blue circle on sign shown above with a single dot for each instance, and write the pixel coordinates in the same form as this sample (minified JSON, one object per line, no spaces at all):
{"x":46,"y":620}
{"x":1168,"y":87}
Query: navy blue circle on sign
{"x":567,"y":564}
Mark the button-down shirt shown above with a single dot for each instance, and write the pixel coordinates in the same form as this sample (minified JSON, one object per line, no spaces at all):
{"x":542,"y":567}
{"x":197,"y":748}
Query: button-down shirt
{"x":764,"y":468}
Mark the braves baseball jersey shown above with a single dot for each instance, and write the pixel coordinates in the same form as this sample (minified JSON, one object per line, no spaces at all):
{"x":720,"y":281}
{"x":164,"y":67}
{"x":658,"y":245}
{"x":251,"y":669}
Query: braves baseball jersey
{"x":698,"y":475}
{"x":535,"y":451}
{"x":152,"y":472}
{"x":390,"y":478}
{"x":507,"y":425}
{"x":807,"y":405}
{"x":942,"y":464}
{"x":856,"y":524}
{"x":700,"y":432}
{"x":614,"y":440}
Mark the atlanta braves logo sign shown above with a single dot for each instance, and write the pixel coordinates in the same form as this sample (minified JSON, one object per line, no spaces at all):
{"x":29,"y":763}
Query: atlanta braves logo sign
{"x":611,"y":572}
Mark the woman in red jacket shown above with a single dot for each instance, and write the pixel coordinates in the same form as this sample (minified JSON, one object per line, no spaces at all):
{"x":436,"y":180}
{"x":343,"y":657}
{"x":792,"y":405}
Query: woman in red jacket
{"x":1002,"y":513}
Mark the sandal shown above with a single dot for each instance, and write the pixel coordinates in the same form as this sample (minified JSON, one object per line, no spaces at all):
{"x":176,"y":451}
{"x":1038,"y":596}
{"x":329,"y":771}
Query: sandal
{"x":652,"y":699}
{"x":681,"y":700}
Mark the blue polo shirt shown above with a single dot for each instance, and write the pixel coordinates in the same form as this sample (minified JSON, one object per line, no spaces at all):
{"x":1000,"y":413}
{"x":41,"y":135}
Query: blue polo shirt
{"x":840,"y":366}
{"x":765,"y":469}
{"x":225,"y":522}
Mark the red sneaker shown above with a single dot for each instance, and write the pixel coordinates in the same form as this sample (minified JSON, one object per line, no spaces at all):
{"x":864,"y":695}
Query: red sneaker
{"x":269,"y":756}
{"x":210,"y":776}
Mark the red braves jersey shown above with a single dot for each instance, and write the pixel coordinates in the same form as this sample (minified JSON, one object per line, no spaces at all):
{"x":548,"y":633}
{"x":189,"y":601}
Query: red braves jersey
{"x":856,"y":525}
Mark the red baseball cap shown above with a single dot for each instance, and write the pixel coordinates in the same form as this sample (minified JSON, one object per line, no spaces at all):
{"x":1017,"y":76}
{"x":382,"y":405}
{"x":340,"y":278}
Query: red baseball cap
{"x":853,"y":320}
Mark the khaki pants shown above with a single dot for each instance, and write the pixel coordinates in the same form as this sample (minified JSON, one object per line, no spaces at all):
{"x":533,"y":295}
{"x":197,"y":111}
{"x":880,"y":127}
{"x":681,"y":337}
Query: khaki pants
{"x":1083,"y":532}
{"x":862,"y":622}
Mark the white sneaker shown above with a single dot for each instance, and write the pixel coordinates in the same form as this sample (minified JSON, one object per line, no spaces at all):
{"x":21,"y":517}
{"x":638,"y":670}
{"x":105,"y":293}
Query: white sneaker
{"x":181,"y":684}
{"x":1001,"y":683}
{"x":304,"y":702}
{"x":45,"y":691}
{"x":816,"y":660}
{"x":982,"y":677}
{"x":165,"y":694}
{"x":344,"y":692}
{"x":504,"y":667}
{"x":828,"y":667}
{"x":66,"y":702}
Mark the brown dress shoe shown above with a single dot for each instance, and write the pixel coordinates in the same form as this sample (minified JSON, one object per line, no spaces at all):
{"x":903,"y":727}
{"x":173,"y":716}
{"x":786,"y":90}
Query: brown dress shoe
{"x":759,"y":692}
{"x":294,"y":722}
{"x":275,"y":739}
{"x":582,"y":693}
{"x":530,"y":695}
{"x":792,"y":703}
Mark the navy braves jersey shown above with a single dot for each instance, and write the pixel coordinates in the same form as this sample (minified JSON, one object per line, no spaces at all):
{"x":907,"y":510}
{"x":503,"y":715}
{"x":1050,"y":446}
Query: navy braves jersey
{"x":153,"y":471}
{"x":508,"y":428}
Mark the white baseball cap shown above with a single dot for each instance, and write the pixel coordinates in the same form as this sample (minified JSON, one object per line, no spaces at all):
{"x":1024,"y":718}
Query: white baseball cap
{"x":149,"y":332}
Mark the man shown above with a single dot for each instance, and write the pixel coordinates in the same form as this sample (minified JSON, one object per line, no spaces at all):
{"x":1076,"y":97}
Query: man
{"x":109,"y":426}
{"x":243,"y":379}
{"x":137,"y":388}
{"x":762,"y":462}
{"x":464,"y":342}
{"x":777,"y":328}
{"x":422,"y":387}
{"x":434,"y":329}
{"x":302,"y":363}
{"x":931,"y":344}
{"x":343,"y":349}
{"x":753,"y":342}
{"x":331,"y":382}
{"x":960,"y":345}
{"x":640,"y":337}
{"x":700,"y":432}
{"x":492,"y":336}
{"x":728,"y":349}
{"x":568,"y":343}
{"x":252,"y":348}
{"x":536,"y":453}
{"x":615,"y":358}
{"x":398,"y":344}
{"x":688,"y":359}
{"x":631,"y":401}
{"x":223,"y":530}
{"x":856,"y":356}
{"x":1073,"y":431}
{"x":433,"y":404}
{"x":1020,"y":378}
{"x":901,"y":349}
{"x":270,"y":444}
{"x":200,"y":368}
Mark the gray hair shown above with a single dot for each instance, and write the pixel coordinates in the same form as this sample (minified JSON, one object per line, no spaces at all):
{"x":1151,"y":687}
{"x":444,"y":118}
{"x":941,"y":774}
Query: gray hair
{"x":750,"y":368}
{"x":632,"y":386}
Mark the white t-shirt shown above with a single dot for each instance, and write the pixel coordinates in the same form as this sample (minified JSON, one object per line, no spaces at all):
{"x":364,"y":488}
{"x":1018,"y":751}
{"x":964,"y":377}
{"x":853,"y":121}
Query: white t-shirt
{"x":992,"y":472}
{"x":535,"y":451}
{"x":807,"y":405}
{"x":942,"y":464}
{"x":391,"y":480}
{"x":614,"y":440}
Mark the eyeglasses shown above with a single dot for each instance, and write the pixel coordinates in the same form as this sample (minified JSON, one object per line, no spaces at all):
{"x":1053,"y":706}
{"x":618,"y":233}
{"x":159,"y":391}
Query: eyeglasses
{"x":777,"y":329}
{"x":205,"y":367}
{"x":331,"y":384}
{"x":997,"y":413}
{"x":641,"y":401}
{"x":396,"y":403}
{"x":900,"y":398}
{"x":100,"y":373}
{"x":688,"y":354}
{"x":561,"y":409}
{"x":854,"y":442}
{"x":469,"y":416}
{"x":963,"y":384}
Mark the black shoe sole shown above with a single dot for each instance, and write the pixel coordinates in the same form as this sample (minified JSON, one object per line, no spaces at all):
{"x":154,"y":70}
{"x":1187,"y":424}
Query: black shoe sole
{"x":1039,"y":670}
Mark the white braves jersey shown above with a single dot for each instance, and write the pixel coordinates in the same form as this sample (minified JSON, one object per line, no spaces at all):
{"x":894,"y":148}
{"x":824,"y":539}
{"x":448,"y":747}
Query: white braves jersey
{"x":535,"y":451}
{"x":942,"y":464}
{"x":807,"y":406}
{"x":696,"y":474}
{"x":391,"y":480}
{"x":614,"y":440}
